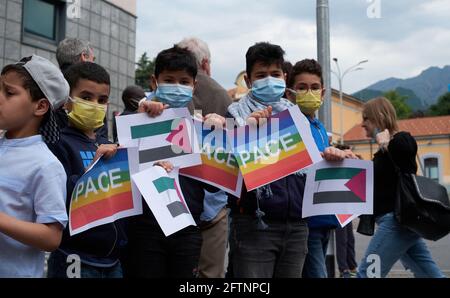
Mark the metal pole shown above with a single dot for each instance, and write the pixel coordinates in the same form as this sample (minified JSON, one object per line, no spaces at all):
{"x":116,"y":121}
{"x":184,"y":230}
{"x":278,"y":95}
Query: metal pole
{"x":341,"y":112}
{"x":323,"y":57}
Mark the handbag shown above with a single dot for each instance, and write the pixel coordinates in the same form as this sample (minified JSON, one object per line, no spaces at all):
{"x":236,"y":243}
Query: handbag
{"x":422,"y":205}
{"x":366,"y":225}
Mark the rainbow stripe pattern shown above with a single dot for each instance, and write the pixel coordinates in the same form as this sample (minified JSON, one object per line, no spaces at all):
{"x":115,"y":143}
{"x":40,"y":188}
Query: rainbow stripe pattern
{"x":275,"y":152}
{"x":101,"y":193}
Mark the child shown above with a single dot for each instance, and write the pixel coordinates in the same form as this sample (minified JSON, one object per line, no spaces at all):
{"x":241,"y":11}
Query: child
{"x":276,"y":247}
{"x":79,"y":146}
{"x":32,"y":180}
{"x":151,"y":253}
{"x":305,"y":87}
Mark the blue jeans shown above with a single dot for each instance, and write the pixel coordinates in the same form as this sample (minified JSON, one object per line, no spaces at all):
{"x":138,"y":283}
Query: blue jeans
{"x":57,"y":268}
{"x":315,"y":265}
{"x":392,"y":242}
{"x":276,"y":252}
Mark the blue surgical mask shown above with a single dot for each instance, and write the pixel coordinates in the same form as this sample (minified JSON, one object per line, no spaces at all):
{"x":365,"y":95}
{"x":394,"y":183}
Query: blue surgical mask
{"x":269,"y":90}
{"x":175,"y":95}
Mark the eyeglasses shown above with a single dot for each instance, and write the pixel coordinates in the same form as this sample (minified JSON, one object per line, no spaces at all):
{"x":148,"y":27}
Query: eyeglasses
{"x":304,"y":91}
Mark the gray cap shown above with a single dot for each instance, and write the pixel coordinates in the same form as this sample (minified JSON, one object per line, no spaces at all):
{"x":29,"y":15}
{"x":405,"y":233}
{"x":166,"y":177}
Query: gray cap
{"x":55,"y":88}
{"x":49,"y":79}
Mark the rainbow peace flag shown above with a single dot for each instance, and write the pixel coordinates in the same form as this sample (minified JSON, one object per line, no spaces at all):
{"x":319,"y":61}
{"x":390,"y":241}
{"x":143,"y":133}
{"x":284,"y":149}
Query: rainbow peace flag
{"x":105,"y":193}
{"x":219,"y":166}
{"x":274,"y":150}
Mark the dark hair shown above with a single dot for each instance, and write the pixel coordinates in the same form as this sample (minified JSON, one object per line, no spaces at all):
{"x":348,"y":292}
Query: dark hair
{"x":265,"y":53}
{"x":87,"y":71}
{"x":175,"y":59}
{"x":131,"y":95}
{"x":287,"y":67}
{"x":133,"y":92}
{"x":27,"y":81}
{"x":310,"y":66}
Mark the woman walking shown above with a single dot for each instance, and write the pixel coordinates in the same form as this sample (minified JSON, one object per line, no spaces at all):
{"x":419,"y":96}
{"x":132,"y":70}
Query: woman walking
{"x":391,"y":241}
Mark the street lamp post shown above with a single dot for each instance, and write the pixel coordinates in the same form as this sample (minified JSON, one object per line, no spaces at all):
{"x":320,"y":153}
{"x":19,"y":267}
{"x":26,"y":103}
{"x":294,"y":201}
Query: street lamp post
{"x":340,"y":76}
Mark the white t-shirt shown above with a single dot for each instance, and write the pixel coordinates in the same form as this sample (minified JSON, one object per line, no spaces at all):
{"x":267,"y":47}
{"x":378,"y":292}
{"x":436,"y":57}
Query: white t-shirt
{"x":32,"y":189}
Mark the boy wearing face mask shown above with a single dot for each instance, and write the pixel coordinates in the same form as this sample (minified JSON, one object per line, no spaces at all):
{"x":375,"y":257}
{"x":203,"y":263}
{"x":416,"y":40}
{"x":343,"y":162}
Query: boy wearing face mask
{"x":277,"y":246}
{"x":305,"y":88}
{"x":79,"y":146}
{"x":150,"y":253}
{"x":268,"y":236}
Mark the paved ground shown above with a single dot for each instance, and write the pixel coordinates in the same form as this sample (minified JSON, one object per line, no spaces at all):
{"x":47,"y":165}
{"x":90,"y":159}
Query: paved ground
{"x":440,"y":251}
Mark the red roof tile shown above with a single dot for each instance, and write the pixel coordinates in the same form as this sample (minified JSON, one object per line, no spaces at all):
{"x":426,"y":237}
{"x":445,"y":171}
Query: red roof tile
{"x":427,"y":126}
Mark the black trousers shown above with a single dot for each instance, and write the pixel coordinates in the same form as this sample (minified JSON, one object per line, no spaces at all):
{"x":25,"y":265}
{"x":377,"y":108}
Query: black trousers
{"x":345,"y":248}
{"x":150,"y":254}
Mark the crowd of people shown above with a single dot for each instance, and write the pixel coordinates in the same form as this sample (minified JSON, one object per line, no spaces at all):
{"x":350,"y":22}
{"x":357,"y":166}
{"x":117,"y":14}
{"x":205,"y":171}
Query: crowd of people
{"x":55,"y":128}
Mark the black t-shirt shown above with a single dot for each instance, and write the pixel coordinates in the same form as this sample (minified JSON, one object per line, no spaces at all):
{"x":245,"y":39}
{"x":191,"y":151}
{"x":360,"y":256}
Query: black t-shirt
{"x":403,"y":149}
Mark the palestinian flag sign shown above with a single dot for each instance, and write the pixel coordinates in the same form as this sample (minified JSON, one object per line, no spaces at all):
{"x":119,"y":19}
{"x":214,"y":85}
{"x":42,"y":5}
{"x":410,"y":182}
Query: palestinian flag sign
{"x":339,"y":188}
{"x":165,"y":199}
{"x":169,"y":137}
{"x":345,"y":219}
{"x":340,"y":185}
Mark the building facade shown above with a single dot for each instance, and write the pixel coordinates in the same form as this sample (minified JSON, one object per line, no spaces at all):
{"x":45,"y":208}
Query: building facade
{"x":345,"y":116}
{"x":37,"y":26}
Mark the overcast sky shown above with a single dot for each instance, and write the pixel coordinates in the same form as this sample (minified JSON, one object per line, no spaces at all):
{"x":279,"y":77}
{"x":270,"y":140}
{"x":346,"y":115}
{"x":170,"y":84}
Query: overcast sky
{"x":410,"y":36}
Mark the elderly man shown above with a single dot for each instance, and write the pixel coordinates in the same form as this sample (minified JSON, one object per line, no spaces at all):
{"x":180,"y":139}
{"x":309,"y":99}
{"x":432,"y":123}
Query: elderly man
{"x":71,"y":51}
{"x":210,"y":98}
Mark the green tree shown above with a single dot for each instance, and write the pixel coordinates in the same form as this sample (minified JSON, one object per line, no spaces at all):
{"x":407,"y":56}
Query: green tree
{"x":442,"y":107}
{"x":399,"y":102}
{"x":144,"y":70}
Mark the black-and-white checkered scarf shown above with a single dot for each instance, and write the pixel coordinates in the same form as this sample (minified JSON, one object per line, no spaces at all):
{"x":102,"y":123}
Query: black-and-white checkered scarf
{"x":49,"y":128}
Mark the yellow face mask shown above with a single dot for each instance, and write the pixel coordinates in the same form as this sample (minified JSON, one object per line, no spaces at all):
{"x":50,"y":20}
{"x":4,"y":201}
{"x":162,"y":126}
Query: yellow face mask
{"x":86,"y":115}
{"x":310,"y":101}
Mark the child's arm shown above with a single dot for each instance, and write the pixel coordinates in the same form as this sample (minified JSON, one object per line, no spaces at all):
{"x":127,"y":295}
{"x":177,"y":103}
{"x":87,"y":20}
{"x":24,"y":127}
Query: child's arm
{"x":46,"y":237}
{"x":152,"y":108}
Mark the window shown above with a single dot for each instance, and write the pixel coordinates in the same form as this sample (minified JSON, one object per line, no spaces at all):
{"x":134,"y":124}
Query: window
{"x":431,"y":168}
{"x":40,"y":18}
{"x":43,"y":23}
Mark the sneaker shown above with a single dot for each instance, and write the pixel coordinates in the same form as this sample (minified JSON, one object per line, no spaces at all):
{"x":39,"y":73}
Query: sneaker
{"x":345,"y":274}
